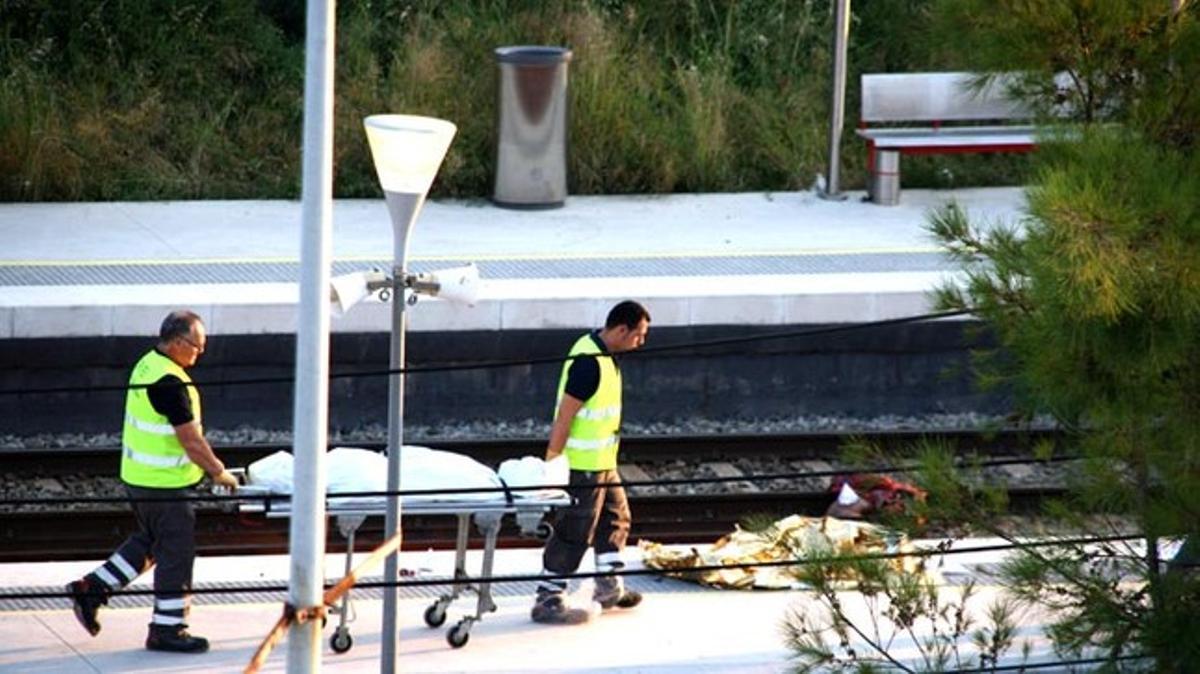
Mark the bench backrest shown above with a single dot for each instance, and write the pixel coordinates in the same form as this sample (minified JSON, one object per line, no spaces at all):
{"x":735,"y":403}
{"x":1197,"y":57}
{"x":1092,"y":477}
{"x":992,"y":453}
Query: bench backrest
{"x":935,"y":97}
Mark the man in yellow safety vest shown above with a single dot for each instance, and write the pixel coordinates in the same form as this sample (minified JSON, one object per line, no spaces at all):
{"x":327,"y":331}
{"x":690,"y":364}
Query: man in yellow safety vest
{"x":587,"y":427}
{"x":163,"y":455}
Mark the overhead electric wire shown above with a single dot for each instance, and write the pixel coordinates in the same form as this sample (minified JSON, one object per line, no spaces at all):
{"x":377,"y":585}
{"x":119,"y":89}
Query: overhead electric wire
{"x":1024,"y":667}
{"x":630,"y":484}
{"x":581,"y":575}
{"x":644,"y":352}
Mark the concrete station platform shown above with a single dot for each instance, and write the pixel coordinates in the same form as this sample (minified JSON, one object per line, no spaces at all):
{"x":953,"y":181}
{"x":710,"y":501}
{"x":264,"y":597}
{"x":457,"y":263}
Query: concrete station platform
{"x":756,"y":259}
{"x":113,"y":269}
{"x":680,"y":627}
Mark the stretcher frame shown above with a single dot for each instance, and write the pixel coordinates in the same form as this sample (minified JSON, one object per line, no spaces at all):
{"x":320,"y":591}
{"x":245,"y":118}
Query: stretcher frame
{"x":527,"y":508}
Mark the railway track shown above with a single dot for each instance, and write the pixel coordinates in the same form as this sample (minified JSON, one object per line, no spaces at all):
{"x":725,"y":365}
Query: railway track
{"x":634,"y":449}
{"x":687,"y":518}
{"x":46,"y":534}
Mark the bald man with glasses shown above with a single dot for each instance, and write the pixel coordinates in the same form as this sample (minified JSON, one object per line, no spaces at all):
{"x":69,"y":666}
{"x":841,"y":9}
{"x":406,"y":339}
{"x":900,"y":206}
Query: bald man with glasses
{"x":163,"y":456}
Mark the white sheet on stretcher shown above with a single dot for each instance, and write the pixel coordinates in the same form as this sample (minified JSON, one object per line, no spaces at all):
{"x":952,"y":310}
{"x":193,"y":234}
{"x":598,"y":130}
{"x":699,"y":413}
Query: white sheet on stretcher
{"x":351,"y":469}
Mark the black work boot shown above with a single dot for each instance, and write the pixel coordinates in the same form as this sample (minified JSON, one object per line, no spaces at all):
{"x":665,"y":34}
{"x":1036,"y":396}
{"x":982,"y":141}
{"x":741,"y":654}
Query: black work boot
{"x":622,"y":599}
{"x":550,"y":609}
{"x":175,"y":639}
{"x":611,"y":593}
{"x":88,"y":594}
{"x":627,"y":599}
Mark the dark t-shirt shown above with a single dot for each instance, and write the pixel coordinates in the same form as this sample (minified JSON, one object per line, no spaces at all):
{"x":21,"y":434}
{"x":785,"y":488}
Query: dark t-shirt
{"x":170,"y":399}
{"x":583,"y":377}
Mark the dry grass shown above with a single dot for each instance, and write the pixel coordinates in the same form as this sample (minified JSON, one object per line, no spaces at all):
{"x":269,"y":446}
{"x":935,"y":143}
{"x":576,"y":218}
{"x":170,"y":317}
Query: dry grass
{"x":205,"y":101}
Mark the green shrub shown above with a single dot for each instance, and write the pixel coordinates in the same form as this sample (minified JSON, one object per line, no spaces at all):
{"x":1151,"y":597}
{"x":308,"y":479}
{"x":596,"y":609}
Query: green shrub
{"x":182,"y":99}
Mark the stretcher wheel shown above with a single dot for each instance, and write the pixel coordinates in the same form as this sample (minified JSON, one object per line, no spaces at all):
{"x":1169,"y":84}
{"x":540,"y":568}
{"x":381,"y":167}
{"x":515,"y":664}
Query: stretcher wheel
{"x":435,"y":615}
{"x":458,"y":635}
{"x":341,"y":641}
{"x":544,"y":531}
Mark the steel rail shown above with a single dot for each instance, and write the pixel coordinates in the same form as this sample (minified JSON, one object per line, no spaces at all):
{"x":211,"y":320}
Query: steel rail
{"x":91,"y":461}
{"x":90,"y":533}
{"x":685,"y":518}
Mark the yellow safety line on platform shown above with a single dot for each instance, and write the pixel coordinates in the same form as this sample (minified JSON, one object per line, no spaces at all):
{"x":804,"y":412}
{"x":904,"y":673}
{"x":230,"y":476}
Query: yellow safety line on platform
{"x":481,"y":258}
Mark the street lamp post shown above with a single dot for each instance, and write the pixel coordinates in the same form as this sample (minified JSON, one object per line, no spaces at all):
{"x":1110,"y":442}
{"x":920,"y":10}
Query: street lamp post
{"x":407,"y":152}
{"x":311,"y":405}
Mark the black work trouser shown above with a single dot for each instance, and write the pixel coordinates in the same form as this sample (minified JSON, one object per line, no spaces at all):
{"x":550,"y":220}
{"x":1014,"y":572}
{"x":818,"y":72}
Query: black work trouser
{"x":166,"y":540}
{"x":599,"y":519}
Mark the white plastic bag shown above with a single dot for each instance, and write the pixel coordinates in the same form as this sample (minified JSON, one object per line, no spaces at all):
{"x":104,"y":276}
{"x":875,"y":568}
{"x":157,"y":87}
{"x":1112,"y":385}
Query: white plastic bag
{"x":273,"y":472}
{"x":531,"y":471}
{"x":425,"y":468}
{"x":353,"y":469}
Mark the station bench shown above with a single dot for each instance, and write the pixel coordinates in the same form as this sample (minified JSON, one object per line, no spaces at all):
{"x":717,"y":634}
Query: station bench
{"x":932,"y":100}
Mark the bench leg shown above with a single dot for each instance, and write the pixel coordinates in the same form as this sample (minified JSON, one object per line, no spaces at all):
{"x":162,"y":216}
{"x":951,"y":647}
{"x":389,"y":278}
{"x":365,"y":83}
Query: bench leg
{"x":885,"y":177}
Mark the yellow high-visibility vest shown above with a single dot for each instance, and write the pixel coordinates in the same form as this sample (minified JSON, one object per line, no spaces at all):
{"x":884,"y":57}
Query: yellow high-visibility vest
{"x":594,"y":439}
{"x":152,"y":455}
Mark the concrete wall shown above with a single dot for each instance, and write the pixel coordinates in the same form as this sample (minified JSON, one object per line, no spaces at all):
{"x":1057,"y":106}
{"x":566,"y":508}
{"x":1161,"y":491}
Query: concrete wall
{"x":908,"y":370}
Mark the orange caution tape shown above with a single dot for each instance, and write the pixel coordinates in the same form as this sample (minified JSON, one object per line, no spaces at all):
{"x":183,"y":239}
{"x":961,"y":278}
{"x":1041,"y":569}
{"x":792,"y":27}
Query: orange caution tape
{"x":331,"y":596}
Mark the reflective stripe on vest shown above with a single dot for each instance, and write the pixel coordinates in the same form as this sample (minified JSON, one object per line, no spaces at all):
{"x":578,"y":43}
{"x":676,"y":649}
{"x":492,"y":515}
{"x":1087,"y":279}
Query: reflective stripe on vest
{"x":591,"y":445}
{"x":593,"y":440}
{"x":154,"y":460}
{"x":151,"y":428}
{"x":152,"y":455}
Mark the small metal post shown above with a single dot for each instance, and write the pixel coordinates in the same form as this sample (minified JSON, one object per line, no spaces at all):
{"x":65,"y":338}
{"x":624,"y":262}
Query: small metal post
{"x":837,"y":107}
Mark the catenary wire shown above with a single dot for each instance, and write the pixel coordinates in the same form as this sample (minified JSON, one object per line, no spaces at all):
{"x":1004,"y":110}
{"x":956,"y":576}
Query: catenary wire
{"x":647,"y":352}
{"x":630,"y":484}
{"x":580,"y":575}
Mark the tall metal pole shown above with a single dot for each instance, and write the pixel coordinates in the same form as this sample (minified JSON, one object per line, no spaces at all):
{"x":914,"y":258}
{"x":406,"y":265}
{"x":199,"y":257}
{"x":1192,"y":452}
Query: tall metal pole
{"x":407,"y":152}
{"x":395,"y":443}
{"x":403,"y":210}
{"x":837,"y":106}
{"x":310,"y":412}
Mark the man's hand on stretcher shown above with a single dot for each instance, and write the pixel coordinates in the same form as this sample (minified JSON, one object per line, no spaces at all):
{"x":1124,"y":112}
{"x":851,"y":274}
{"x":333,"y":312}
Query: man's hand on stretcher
{"x":224,"y":481}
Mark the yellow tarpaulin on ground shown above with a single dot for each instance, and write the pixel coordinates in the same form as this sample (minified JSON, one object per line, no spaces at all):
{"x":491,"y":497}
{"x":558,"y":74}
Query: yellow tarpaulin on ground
{"x":791,"y":538}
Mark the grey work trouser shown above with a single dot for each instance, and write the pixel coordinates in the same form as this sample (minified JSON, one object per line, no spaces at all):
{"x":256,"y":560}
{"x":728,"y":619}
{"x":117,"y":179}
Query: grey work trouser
{"x":599,"y":519}
{"x":166,"y":540}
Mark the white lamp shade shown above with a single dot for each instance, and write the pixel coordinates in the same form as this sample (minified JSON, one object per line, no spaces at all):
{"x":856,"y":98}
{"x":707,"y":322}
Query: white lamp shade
{"x":346,"y":291}
{"x":407,"y":150}
{"x":459,"y":284}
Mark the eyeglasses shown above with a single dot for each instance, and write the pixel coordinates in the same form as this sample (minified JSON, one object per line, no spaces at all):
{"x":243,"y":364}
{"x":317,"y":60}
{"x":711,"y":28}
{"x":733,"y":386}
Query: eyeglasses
{"x":192,"y":344}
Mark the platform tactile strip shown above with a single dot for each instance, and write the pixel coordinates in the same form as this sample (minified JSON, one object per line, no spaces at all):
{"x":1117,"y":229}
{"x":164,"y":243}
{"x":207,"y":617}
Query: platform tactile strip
{"x":245,"y":592}
{"x":249,"y":272}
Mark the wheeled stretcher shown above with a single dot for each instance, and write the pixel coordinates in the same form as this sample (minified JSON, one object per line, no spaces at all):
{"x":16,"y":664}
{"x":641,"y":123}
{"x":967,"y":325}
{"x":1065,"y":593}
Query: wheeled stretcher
{"x":527,"y":508}
{"x":441,"y":477}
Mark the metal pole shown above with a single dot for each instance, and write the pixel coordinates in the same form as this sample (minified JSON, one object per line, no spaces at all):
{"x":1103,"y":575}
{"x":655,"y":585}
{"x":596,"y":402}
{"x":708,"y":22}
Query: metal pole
{"x":391,"y":572}
{"x":311,"y":408}
{"x":407,"y":151}
{"x":837,"y":107}
{"x":403,"y":210}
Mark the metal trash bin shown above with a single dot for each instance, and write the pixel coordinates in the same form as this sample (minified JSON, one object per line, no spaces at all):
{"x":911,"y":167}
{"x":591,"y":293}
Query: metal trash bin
{"x":531,"y":119}
{"x":885,"y":178}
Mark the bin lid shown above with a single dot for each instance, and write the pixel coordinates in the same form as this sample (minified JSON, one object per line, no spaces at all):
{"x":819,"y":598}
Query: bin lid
{"x":532,"y":55}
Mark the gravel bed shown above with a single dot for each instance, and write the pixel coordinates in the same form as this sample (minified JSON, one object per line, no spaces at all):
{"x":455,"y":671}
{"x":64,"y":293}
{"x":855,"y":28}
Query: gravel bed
{"x":1017,"y":475}
{"x":813,"y":476}
{"x":60,"y":487}
{"x":1023,"y":474}
{"x":541,"y":428}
